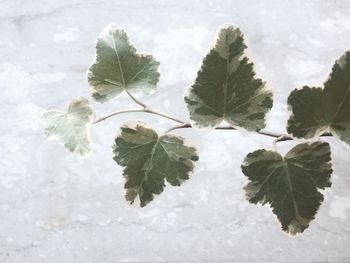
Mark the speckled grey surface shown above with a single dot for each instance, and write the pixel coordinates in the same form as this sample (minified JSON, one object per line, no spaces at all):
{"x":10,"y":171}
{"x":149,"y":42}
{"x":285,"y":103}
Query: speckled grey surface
{"x":56,"y":207}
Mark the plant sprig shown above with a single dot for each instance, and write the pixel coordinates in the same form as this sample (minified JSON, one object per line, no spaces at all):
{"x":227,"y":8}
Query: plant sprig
{"x":226,"y":90}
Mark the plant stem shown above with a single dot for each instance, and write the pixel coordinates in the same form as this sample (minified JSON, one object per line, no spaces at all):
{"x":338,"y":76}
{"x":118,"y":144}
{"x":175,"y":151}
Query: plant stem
{"x":136,"y":100}
{"x":279,"y":137}
{"x":97,"y":120}
{"x":180,"y":126}
{"x":183,"y":124}
{"x":164,"y":115}
{"x":145,"y":109}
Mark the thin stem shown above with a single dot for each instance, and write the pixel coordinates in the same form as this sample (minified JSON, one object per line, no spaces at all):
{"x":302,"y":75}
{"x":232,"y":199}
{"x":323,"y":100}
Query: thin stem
{"x":184,"y":125}
{"x":279,"y":137}
{"x":97,"y":120}
{"x":266,"y":133}
{"x":180,"y":126}
{"x":163,"y":115}
{"x":136,"y":100}
{"x":275,"y":141}
{"x":289,"y":138}
{"x":146,"y":110}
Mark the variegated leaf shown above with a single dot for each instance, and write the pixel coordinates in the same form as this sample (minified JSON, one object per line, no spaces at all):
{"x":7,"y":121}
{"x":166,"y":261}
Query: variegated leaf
{"x":316,"y":110}
{"x":226,"y":88}
{"x":149,"y":159}
{"x":119,"y":68}
{"x":71,"y":128}
{"x":289,"y":184}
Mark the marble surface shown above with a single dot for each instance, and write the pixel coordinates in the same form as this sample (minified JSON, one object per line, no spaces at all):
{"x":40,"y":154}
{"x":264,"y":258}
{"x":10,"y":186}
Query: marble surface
{"x":56,"y":207}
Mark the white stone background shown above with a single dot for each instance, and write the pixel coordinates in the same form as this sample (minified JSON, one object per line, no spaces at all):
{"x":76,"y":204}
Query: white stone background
{"x":56,"y":207}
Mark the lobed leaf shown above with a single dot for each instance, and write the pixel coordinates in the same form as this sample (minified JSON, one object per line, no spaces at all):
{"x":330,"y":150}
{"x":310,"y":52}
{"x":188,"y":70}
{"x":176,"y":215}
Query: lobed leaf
{"x":71,"y":128}
{"x":316,"y":110}
{"x":226,"y":88}
{"x":118,"y":67}
{"x":290,"y":184}
{"x":149,"y":160}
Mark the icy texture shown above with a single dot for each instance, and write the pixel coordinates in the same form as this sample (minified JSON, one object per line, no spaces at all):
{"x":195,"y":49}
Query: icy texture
{"x":56,"y":207}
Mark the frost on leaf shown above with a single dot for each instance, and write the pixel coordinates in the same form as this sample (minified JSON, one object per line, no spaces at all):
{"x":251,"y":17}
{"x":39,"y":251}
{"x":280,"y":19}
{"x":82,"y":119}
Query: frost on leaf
{"x":290,"y":184}
{"x":149,"y":160}
{"x":71,"y":128}
{"x":316,"y":110}
{"x":226,"y":88}
{"x":118,"y":67}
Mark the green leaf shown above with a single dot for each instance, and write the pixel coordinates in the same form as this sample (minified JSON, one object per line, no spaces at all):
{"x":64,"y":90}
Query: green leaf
{"x":149,"y":159}
{"x":226,"y":88}
{"x":317,"y":110}
{"x":71,"y":128}
{"x":290,"y":184}
{"x":118,"y":67}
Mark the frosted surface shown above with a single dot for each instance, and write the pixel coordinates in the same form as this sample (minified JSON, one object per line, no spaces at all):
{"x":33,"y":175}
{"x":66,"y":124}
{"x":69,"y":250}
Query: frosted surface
{"x":56,"y":207}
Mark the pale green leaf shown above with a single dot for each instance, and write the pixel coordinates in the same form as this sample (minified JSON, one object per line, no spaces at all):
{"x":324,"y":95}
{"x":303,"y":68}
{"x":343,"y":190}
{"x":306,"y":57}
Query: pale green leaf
{"x":118,"y":67}
{"x":226,"y":88}
{"x":71,"y":128}
{"x":290,"y":184}
{"x":316,"y":110}
{"x":149,"y":160}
